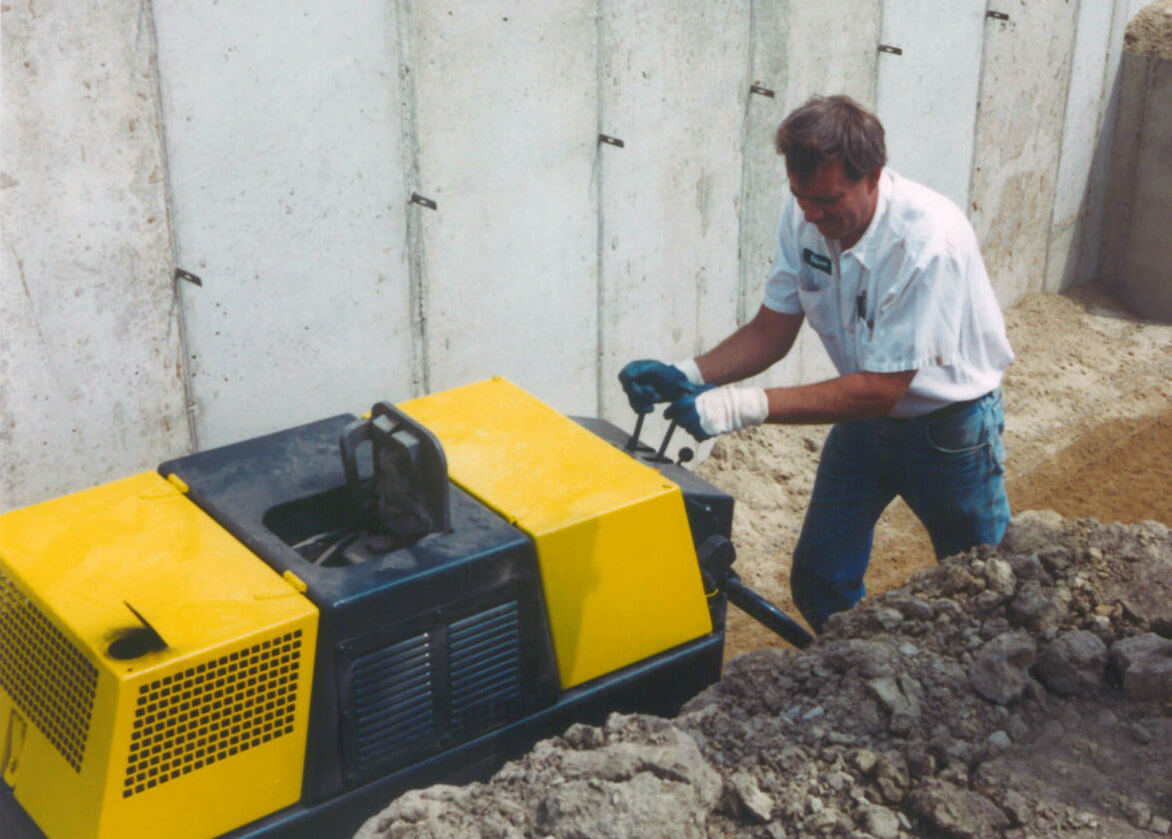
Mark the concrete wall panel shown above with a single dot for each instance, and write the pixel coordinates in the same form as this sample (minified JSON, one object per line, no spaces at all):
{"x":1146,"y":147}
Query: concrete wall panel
{"x":798,"y":49}
{"x":1081,"y":133}
{"x":1018,"y":135}
{"x":284,"y":138}
{"x":673,"y":87}
{"x":1101,"y":219}
{"x":506,"y":96}
{"x":89,"y":345}
{"x":1141,"y":182}
{"x":927,"y":93}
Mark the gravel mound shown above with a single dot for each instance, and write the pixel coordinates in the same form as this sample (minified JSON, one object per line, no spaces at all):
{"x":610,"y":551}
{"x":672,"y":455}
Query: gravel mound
{"x":1022,"y":691}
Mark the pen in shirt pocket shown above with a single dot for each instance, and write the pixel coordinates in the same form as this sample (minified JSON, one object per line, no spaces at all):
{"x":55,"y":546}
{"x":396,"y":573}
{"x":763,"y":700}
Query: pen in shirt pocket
{"x":861,"y":309}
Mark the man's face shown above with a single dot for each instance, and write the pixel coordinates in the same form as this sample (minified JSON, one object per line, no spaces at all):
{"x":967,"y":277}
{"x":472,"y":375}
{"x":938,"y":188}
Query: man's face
{"x":839,"y":207}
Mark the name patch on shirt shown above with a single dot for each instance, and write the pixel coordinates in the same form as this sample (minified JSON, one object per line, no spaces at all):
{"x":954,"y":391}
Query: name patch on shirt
{"x":816,"y":260}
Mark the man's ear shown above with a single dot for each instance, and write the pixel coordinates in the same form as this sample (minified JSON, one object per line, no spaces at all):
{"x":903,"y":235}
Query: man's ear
{"x":872,"y":178}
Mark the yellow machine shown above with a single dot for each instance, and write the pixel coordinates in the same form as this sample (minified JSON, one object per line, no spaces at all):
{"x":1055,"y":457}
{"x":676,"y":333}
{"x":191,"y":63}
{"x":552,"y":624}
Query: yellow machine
{"x":275,"y":638}
{"x":150,"y":663}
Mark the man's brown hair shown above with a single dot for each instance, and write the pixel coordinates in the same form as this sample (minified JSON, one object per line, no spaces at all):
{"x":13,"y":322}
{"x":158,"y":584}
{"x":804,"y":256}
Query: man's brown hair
{"x":829,"y":128}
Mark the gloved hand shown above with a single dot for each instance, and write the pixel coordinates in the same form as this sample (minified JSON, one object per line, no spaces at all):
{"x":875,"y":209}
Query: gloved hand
{"x":647,"y":382}
{"x":708,"y":411}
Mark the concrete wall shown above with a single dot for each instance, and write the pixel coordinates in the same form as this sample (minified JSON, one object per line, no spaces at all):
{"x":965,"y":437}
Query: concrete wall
{"x":284,"y":138}
{"x":297,"y":133}
{"x":90,"y":357}
{"x":1138,"y":248}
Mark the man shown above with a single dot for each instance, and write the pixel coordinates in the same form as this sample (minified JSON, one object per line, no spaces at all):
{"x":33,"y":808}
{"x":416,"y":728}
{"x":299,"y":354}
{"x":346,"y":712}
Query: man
{"x":890,"y":276}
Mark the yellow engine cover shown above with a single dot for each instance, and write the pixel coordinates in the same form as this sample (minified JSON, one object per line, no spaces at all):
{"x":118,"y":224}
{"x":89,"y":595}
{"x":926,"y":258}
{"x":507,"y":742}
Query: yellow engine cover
{"x":617,"y":562}
{"x":203,"y":731}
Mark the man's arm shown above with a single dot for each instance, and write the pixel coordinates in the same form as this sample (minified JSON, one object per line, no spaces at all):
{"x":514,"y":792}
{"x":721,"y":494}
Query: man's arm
{"x":754,"y":347}
{"x":856,"y":396}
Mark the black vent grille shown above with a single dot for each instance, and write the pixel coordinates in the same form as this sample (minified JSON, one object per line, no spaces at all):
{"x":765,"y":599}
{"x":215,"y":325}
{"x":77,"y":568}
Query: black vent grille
{"x":213,"y":711}
{"x":393,"y":700}
{"x":485,"y":665}
{"x":45,"y":674}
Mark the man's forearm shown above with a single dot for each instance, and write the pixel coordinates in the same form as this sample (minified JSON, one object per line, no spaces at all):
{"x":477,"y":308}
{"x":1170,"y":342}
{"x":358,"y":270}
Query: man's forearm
{"x":754,"y":347}
{"x":857,"y":396}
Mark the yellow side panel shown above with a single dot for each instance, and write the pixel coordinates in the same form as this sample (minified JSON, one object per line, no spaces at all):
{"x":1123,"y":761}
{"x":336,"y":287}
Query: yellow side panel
{"x":617,"y":562}
{"x":187,"y":738}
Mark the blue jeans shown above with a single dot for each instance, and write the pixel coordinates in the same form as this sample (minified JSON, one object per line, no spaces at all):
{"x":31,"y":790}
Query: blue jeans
{"x":949,"y":468}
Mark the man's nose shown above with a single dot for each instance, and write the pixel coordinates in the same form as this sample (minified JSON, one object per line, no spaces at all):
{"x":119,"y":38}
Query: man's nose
{"x":811,"y":210}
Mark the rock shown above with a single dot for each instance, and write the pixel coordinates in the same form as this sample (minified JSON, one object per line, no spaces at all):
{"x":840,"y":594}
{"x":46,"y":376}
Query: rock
{"x":439,"y":812}
{"x":887,"y":691}
{"x":1146,"y":664}
{"x":749,"y":799}
{"x":880,"y":822}
{"x":892,"y":778}
{"x":865,"y":760}
{"x":999,"y":577}
{"x":867,"y":657}
{"x":1038,"y":607}
{"x":958,"y":812}
{"x":1139,"y":814}
{"x":1000,"y":670}
{"x":912,"y":608}
{"x":999,"y":741}
{"x":1031,"y":531}
{"x":1073,"y":664}
{"x":644,"y":806}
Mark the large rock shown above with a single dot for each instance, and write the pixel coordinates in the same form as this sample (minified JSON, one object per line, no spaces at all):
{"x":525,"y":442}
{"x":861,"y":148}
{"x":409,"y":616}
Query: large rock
{"x":1146,"y":664}
{"x":1000,"y":670}
{"x":957,"y":812}
{"x":1031,"y":531}
{"x":1073,"y":664}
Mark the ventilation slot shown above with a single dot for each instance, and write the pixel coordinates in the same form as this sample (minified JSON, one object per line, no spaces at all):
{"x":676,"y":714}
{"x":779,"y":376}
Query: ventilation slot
{"x":485,"y":665}
{"x":393,"y":701}
{"x":47,"y":676}
{"x":213,"y":711}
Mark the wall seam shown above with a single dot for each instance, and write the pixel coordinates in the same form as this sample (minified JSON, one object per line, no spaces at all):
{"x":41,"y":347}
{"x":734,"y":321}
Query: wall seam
{"x":742,"y":306}
{"x":969,"y":197}
{"x":1097,"y":195}
{"x":147,"y":10}
{"x":599,"y":214}
{"x":1061,"y":151}
{"x":409,"y":128}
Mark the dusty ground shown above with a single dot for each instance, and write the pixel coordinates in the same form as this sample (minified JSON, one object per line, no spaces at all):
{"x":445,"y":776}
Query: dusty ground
{"x":1088,"y":406}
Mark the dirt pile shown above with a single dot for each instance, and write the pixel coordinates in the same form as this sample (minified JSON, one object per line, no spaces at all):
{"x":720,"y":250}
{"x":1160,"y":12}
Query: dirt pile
{"x":1023,"y":691}
{"x":1150,"y":31}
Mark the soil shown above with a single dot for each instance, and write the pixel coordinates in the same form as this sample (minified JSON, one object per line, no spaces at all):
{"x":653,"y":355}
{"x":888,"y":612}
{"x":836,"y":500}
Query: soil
{"x":1150,"y":31}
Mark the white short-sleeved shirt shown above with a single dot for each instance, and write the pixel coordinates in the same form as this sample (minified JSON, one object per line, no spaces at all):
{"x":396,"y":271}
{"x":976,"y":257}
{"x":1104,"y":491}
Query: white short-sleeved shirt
{"x":912,"y":294}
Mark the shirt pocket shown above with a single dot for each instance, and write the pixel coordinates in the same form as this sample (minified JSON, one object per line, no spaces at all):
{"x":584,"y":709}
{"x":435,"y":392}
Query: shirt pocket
{"x":819,"y":302}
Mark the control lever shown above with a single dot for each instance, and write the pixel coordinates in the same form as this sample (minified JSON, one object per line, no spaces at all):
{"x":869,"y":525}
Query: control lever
{"x":717,"y":556}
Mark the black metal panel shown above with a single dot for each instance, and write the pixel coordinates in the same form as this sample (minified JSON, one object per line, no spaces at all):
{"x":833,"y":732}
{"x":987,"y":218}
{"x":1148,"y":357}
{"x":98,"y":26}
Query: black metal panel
{"x":485,"y":670}
{"x":393,"y":702}
{"x":277,"y":490}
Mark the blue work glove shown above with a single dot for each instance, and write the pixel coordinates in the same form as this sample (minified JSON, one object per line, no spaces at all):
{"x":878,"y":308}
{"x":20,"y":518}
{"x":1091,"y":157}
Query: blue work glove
{"x":707,"y":411}
{"x":647,"y":382}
